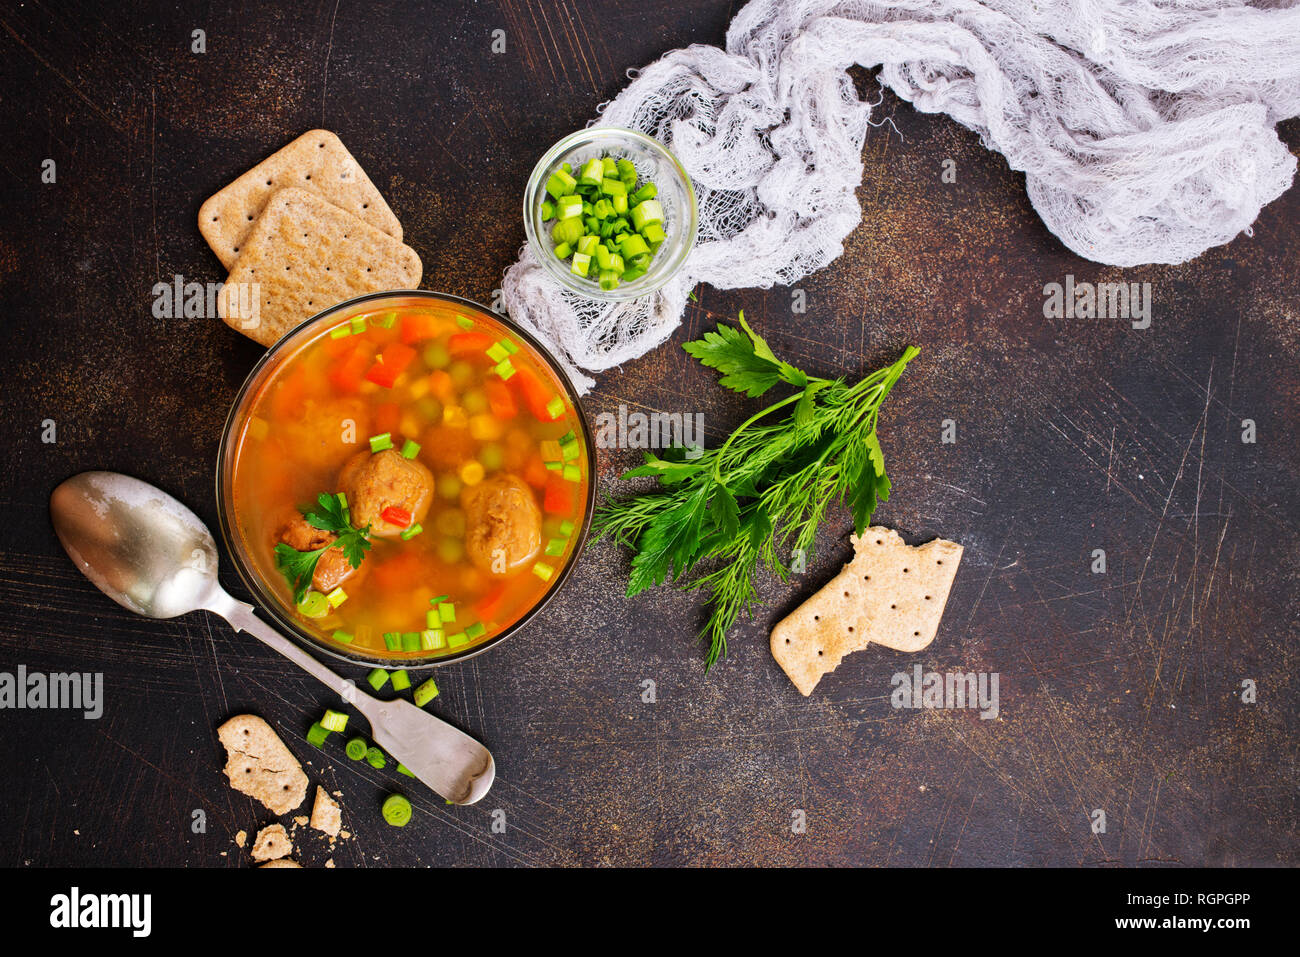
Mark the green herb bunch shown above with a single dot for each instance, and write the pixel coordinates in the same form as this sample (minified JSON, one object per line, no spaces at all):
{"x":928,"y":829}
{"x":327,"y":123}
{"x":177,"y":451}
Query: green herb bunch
{"x":299,"y":567}
{"x":764,"y":491}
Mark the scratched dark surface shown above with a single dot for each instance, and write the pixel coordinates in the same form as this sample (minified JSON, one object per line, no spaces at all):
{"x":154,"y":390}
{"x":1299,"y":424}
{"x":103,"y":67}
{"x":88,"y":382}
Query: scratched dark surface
{"x":1119,"y":692}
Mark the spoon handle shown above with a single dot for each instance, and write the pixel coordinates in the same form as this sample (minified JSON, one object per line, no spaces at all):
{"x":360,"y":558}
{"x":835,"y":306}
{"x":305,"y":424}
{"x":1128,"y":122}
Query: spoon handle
{"x":242,"y":617}
{"x":445,"y":758}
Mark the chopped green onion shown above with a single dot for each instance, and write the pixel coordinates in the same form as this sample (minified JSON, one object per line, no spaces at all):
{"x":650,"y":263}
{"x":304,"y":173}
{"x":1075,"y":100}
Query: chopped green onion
{"x":403,"y":769}
{"x":341,"y":332}
{"x":633,"y":245}
{"x":613,"y":187}
{"x":647,"y":212}
{"x":560,"y":183}
{"x":393,"y":640}
{"x":608,"y":279}
{"x":313,"y":605}
{"x":334,"y":720}
{"x":397,"y":810}
{"x":317,"y":734}
{"x":476,"y":630}
{"x":626,"y":170}
{"x":458,"y":639}
{"x":592,"y":171}
{"x":410,"y":449}
{"x":496,"y":352}
{"x":648,"y":191}
{"x":581,"y":264}
{"x":572,"y":473}
{"x":620,"y":208}
{"x":509,"y":346}
{"x":569,"y":450}
{"x":548,"y":210}
{"x":440,"y":598}
{"x":447,"y":611}
{"x":385,"y":320}
{"x":465,"y":322}
{"x":563,"y":251}
{"x":566,"y":527}
{"x":356,"y":749}
{"x":566,"y":208}
{"x":654,"y":233}
{"x":410,"y":641}
{"x":543,"y":571}
{"x":555,"y":408}
{"x":378,"y":677}
{"x":337,"y":597}
{"x":343,"y":637}
{"x":555,"y":547}
{"x":505,"y":368}
{"x":587,"y":245}
{"x":358,"y":324}
{"x":425,"y":693}
{"x":431,"y":639}
{"x":380,"y":442}
{"x":376,"y":758}
{"x":411,"y":531}
{"x":401,"y":680}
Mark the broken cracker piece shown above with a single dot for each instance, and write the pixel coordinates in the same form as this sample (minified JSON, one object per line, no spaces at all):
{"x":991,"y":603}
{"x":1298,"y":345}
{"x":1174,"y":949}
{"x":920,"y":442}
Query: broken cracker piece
{"x":281,"y":862}
{"x":272,"y":843}
{"x":259,"y":764}
{"x":326,"y":815}
{"x":891,"y":593}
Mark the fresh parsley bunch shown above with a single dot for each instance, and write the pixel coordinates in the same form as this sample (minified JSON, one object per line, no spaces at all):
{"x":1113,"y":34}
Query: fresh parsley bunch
{"x":764,"y":491}
{"x":299,"y":567}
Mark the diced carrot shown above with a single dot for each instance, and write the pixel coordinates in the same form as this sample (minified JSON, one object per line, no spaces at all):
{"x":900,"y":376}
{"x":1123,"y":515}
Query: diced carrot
{"x":500,"y":400}
{"x":392,"y":363}
{"x":490,"y":605}
{"x":347,"y":372}
{"x":559,"y":495}
{"x":399,"y":573}
{"x":465,"y":343}
{"x":418,"y":326}
{"x":534,"y":393}
{"x":387,"y":418}
{"x":288,"y":395}
{"x":536,"y":473}
{"x":442,"y":387}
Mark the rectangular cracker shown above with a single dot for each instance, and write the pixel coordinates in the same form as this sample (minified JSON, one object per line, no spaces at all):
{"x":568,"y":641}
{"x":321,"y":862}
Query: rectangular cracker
{"x":305,"y":255}
{"x":891,"y":593}
{"x":316,"y":161}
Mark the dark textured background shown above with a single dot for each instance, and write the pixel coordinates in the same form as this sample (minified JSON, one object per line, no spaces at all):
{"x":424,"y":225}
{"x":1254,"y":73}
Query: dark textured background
{"x":1119,"y":691}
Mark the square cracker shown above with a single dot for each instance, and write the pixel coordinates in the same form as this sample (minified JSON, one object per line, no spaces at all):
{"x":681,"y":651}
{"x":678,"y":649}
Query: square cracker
{"x":316,"y":161}
{"x":259,"y":764}
{"x":305,"y":255}
{"x":891,"y":593}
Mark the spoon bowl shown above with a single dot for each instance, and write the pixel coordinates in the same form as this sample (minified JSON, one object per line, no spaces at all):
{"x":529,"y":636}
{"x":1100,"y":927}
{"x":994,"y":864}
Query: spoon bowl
{"x":155,"y":557}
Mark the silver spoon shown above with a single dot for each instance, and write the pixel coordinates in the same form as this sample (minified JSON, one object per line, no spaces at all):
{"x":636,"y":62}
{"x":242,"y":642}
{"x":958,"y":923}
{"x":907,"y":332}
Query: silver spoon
{"x":153,"y":556}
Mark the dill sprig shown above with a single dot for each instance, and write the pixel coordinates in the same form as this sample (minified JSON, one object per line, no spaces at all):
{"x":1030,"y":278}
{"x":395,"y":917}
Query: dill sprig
{"x":718,"y":514}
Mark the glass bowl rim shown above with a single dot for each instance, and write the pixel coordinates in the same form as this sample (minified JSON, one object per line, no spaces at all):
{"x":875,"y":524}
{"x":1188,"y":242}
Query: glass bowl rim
{"x":541,"y":253}
{"x":262,"y":594}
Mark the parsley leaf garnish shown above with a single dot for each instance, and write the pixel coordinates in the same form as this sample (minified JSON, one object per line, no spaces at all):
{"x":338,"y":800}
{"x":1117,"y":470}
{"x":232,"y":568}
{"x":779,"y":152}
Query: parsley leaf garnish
{"x":330,"y":515}
{"x":762,"y":494}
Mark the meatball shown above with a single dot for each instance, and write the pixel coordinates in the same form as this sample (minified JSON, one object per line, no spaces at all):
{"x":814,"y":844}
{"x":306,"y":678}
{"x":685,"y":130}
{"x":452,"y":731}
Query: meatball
{"x":322,"y":434}
{"x":503,"y":524}
{"x":332,"y":568}
{"x":383,"y":480}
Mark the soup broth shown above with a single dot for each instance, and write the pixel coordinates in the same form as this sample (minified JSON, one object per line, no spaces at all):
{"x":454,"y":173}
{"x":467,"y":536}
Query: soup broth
{"x":444,"y":437}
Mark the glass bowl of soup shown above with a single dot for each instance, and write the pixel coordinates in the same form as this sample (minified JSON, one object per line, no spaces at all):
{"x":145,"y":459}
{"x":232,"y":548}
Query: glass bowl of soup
{"x":405,"y":479}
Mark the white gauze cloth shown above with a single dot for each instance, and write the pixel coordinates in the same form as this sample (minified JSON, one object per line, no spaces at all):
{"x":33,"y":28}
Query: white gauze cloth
{"x":1145,"y":129}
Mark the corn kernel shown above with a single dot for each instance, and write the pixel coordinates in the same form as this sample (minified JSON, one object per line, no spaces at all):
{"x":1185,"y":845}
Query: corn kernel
{"x":471,"y":473}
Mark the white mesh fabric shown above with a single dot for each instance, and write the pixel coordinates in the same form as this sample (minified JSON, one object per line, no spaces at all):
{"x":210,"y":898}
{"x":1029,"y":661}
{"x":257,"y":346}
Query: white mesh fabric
{"x":1145,"y":129}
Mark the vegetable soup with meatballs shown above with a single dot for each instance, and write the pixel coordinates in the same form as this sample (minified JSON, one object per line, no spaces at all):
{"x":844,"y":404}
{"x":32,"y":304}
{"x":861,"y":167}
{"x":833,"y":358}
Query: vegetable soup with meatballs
{"x":412,"y":481}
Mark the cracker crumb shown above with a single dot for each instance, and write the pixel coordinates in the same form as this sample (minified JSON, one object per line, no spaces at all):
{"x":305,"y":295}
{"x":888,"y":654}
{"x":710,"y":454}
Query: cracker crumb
{"x":241,"y":838}
{"x":272,"y":843}
{"x":326,"y":816}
